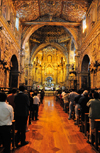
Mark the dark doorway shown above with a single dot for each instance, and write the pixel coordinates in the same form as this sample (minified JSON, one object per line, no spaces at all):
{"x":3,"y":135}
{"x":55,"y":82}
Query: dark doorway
{"x":85,"y":73}
{"x":13,"y":79}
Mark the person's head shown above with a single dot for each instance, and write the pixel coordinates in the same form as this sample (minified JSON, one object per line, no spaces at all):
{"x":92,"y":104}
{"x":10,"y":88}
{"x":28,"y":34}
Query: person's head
{"x":80,"y":91}
{"x":96,"y":95}
{"x":14,"y":90}
{"x":25,"y":91}
{"x":73,"y":89}
{"x":92,"y":93}
{"x":85,"y":93}
{"x":21,"y":88}
{"x":3,"y":97}
{"x":35,"y":93}
{"x":31,"y":93}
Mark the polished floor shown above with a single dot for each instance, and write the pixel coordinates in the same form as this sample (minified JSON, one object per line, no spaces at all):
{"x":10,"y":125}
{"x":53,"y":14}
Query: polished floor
{"x":54,"y":133}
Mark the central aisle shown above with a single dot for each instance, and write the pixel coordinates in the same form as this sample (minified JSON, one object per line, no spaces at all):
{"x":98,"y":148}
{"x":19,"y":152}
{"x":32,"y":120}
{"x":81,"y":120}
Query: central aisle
{"x":53,"y":132}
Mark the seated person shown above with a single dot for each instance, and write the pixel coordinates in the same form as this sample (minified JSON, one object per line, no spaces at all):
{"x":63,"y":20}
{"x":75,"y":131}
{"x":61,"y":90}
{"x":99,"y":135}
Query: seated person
{"x":6,"y":117}
{"x":94,"y":110}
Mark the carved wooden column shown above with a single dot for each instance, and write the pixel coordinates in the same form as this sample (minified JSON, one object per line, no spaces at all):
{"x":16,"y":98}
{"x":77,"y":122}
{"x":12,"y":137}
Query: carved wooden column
{"x":98,"y":77}
{"x":22,"y":55}
{"x":67,"y":74}
{"x":7,"y":84}
{"x":91,"y":76}
{"x":0,"y":7}
{"x":77,"y":68}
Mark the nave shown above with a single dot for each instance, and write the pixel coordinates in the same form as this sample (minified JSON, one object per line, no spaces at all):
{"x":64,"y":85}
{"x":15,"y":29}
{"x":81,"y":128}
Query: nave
{"x":53,"y":132}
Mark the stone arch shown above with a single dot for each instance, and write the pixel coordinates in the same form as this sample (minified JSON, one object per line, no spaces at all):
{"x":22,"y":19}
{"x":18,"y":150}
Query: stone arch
{"x":85,"y":73}
{"x":32,"y":29}
{"x":13,"y":78}
{"x":60,"y":48}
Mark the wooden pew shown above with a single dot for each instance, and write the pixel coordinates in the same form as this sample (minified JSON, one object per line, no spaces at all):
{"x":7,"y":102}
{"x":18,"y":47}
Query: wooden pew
{"x":67,"y":108}
{"x":95,"y":134}
{"x":85,"y":125}
{"x":86,"y":128}
{"x":73,"y":112}
{"x":79,"y":119}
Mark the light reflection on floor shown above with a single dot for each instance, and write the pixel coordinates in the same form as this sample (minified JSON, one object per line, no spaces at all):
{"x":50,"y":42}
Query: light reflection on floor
{"x":49,"y":104}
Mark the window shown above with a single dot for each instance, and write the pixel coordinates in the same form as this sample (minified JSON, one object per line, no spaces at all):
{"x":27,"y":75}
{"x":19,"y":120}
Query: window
{"x":17,"y":23}
{"x":84,"y":25}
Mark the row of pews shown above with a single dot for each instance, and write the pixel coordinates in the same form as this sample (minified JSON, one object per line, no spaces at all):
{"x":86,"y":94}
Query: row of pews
{"x":84,"y":126}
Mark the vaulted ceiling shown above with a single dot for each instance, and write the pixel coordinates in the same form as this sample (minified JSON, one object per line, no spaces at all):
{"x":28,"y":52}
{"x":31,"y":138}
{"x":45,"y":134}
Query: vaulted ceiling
{"x":68,"y":10}
{"x":51,"y":34}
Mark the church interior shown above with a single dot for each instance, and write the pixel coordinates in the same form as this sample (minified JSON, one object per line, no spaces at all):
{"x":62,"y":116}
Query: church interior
{"x":50,"y":44}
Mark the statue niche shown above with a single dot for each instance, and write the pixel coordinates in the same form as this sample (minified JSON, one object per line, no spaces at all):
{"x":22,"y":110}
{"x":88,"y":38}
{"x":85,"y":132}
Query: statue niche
{"x":49,"y":58}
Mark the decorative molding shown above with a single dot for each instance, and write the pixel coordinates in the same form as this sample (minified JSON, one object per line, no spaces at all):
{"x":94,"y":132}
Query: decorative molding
{"x":8,"y":33}
{"x":94,"y":32}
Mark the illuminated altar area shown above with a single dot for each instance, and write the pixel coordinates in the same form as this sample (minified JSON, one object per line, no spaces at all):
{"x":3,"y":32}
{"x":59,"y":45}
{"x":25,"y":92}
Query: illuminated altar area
{"x":49,"y":68}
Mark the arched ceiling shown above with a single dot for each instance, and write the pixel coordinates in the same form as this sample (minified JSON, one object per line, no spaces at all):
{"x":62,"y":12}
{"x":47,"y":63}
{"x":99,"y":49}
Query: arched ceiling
{"x":53,"y":45}
{"x":68,"y":10}
{"x":50,"y":34}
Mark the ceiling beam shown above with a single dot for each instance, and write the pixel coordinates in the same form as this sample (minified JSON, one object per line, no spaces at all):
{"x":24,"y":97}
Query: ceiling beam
{"x":62,"y":4}
{"x":39,"y":7}
{"x":53,"y":23}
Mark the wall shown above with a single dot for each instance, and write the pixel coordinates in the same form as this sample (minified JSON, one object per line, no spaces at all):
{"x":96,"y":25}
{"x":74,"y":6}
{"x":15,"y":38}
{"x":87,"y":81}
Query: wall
{"x":90,"y":44}
{"x":9,"y":41}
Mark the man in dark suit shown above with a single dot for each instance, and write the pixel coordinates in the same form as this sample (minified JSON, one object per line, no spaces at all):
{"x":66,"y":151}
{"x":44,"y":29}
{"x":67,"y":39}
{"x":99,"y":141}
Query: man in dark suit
{"x":21,"y":101}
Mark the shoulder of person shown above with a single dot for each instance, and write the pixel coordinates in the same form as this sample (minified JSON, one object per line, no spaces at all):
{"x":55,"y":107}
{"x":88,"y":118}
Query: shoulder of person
{"x":91,"y":100}
{"x":8,"y":105}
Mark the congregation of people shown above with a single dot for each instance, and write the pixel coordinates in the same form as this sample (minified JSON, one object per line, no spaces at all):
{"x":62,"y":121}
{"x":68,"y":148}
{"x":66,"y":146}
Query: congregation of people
{"x":87,"y":101}
{"x":22,"y":106}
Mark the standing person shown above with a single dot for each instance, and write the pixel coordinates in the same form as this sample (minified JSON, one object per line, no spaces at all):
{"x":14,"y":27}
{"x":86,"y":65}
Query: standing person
{"x":39,"y":95}
{"x":36,"y":101}
{"x":94,"y":110}
{"x":6,"y":117}
{"x":42,"y":96}
{"x":82,"y":102}
{"x":71,"y":97}
{"x":21,"y":113}
{"x":63,"y":94}
{"x":76,"y":100}
{"x":65,"y":98}
{"x":31,"y":105}
{"x":10,"y":97}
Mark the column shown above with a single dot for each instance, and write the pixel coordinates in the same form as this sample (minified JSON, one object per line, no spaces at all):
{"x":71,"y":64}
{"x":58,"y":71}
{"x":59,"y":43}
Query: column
{"x":0,"y":7}
{"x":77,"y":69}
{"x":98,"y":77}
{"x":7,"y":84}
{"x":22,"y":56}
{"x":91,"y":76}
